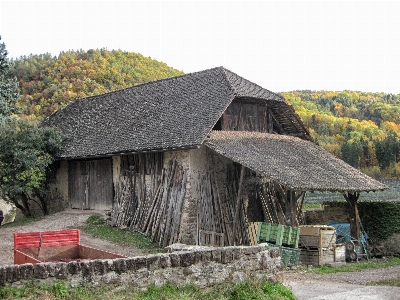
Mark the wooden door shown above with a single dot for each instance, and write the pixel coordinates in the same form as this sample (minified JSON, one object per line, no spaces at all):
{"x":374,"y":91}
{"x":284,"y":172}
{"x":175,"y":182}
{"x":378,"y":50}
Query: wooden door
{"x":90,"y":184}
{"x":77,"y":184}
{"x":100,"y":184}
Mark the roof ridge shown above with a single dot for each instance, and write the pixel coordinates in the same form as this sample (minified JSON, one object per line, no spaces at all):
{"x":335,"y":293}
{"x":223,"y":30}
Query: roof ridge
{"x":224,"y":73}
{"x":236,"y":92}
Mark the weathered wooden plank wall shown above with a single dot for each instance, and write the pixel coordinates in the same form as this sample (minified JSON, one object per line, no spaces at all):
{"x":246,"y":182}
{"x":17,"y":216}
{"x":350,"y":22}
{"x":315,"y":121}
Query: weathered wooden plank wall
{"x":247,"y":115}
{"x":261,"y":200}
{"x":149,"y":194}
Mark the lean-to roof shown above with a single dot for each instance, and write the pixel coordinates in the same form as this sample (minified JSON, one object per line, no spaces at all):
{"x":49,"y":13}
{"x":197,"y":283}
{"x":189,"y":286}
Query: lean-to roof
{"x":295,"y":163}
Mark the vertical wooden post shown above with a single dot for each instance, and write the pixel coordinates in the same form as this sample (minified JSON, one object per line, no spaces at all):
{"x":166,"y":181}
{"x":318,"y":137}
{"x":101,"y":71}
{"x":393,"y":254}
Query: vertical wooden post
{"x":355,"y":222}
{"x":235,"y":219}
{"x":293,"y":208}
{"x":270,"y":124}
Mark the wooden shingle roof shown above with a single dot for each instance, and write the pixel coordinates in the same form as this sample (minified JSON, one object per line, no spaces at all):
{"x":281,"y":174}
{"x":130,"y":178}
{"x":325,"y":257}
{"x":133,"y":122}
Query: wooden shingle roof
{"x":172,"y":113}
{"x":295,"y":163}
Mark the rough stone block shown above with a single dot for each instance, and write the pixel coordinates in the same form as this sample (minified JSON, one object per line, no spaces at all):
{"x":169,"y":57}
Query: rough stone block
{"x":164,"y":261}
{"x":152,"y":262}
{"x":274,"y":252}
{"x":187,"y":259}
{"x":188,"y":271}
{"x":175,"y":260}
{"x":2,"y":276}
{"x":120,"y":265}
{"x":265,"y":261}
{"x":227,"y":256}
{"x":236,"y":253}
{"x":40,"y":271}
{"x":99,"y":266}
{"x":9,"y":274}
{"x":196,"y":257}
{"x":251,"y":250}
{"x":61,"y":270}
{"x":87,"y":269}
{"x":216,"y":255}
{"x":50,"y":269}
{"x":142,"y":274}
{"x":140,"y":262}
{"x":206,"y":256}
{"x":26,"y":271}
{"x":109,"y":265}
{"x":130,"y":264}
{"x":74,"y":267}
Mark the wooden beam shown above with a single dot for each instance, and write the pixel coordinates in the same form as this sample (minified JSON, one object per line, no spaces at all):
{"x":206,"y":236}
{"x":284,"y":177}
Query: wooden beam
{"x":235,"y":220}
{"x":355,"y":221}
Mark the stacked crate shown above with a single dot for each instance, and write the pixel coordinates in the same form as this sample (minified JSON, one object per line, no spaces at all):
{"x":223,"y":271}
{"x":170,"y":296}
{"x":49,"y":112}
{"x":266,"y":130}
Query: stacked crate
{"x":318,"y":245}
{"x":284,"y":237}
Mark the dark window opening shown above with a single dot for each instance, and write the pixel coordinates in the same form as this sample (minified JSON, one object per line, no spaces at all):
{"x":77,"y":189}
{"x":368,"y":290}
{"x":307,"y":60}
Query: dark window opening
{"x":218,"y":125}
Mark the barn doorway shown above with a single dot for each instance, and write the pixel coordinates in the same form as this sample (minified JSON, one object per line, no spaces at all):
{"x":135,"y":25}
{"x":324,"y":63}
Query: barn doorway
{"x":90,"y":184}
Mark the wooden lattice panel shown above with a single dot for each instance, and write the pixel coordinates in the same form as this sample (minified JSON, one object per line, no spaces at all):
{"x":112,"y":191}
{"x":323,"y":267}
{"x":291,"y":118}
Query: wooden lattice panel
{"x":252,"y":228}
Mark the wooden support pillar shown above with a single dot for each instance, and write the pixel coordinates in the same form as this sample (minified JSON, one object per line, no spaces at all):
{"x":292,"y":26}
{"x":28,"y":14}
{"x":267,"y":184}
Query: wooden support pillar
{"x":236,"y":217}
{"x":293,"y":209}
{"x":355,"y":221}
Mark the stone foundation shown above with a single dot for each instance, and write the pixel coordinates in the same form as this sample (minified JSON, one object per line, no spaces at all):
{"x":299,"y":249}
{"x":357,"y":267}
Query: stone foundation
{"x":201,"y":267}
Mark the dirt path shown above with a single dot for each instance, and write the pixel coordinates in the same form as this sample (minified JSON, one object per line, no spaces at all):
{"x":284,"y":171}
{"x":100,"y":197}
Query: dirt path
{"x":343,"y":286}
{"x":68,"y":219}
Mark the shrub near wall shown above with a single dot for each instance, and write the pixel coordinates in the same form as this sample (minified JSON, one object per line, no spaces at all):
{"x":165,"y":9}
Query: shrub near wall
{"x":380,"y":219}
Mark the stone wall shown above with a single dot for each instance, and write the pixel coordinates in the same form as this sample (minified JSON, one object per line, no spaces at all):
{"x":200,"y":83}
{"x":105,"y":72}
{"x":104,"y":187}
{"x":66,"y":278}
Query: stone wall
{"x":201,"y":266}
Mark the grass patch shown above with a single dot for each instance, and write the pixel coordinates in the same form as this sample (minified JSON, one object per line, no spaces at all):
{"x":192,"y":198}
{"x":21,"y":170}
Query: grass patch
{"x":312,"y":206}
{"x":251,"y":289}
{"x":23,"y":221}
{"x":97,"y":227}
{"x":358,"y":266}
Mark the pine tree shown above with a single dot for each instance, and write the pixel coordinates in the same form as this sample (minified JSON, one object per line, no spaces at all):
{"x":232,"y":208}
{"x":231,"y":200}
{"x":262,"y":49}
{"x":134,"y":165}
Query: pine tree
{"x":9,"y":90}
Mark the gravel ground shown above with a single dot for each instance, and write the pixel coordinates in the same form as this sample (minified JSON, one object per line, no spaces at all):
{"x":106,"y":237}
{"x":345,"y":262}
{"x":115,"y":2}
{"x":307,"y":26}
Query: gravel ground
{"x":305,"y":285}
{"x":346,"y":286}
{"x":67,"y":219}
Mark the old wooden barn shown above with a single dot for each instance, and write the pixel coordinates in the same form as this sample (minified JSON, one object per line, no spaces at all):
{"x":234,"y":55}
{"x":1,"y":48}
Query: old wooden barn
{"x":195,"y":159}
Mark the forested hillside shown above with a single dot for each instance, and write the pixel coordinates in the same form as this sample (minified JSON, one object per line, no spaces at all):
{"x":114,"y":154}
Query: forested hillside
{"x":48,"y":83}
{"x":361,"y":128}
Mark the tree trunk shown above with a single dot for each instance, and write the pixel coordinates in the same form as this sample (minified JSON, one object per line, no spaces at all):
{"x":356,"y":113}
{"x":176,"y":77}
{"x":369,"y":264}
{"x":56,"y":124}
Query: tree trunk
{"x":24,"y":207}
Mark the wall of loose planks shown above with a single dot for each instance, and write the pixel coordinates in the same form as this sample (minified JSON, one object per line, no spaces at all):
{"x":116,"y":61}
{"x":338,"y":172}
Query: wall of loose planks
{"x":192,"y":196}
{"x":149,"y":192}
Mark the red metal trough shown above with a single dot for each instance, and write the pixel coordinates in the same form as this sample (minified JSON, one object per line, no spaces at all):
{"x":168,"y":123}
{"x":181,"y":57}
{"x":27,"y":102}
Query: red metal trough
{"x":54,"y":246}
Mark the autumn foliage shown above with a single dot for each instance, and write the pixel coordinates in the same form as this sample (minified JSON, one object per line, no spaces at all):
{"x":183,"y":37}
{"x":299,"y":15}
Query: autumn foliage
{"x":49,"y":83}
{"x":361,"y":128}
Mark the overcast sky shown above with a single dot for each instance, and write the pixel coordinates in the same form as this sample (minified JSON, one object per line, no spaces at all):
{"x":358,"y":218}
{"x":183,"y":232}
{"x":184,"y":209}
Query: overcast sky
{"x":282,"y":46}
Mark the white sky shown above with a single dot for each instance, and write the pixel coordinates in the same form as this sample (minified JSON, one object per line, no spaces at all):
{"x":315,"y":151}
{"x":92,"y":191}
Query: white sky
{"x":280,"y":45}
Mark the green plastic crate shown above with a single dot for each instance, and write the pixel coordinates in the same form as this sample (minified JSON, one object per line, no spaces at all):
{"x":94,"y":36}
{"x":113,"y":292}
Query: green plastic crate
{"x":289,"y":256}
{"x":291,"y":236}
{"x":278,"y":234}
{"x":271,"y":233}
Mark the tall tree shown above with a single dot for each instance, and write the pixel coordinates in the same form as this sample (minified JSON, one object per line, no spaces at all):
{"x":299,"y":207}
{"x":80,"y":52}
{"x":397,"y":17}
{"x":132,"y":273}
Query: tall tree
{"x":26,"y":154}
{"x":9,"y":91}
